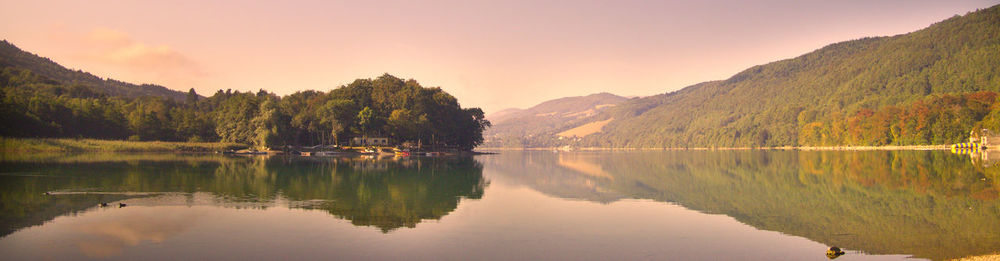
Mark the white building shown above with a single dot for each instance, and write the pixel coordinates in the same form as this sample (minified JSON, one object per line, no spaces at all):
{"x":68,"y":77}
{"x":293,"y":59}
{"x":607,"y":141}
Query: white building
{"x":367,"y":141}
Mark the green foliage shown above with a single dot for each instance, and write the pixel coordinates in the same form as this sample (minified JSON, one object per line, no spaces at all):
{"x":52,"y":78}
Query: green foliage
{"x":762,"y":105}
{"x":366,"y":120}
{"x":32,"y":105}
{"x":234,"y":117}
{"x":267,"y":125}
{"x":88,"y":84}
{"x":405,"y":125}
{"x":334,"y":114}
{"x":937,"y":119}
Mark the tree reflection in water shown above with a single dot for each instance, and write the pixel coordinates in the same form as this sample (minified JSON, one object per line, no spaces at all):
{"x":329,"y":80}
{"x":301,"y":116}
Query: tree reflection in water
{"x":385,"y":193}
{"x":929,"y":204}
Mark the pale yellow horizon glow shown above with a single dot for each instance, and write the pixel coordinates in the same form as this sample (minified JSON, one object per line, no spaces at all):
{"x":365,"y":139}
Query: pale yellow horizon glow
{"x":492,"y":55}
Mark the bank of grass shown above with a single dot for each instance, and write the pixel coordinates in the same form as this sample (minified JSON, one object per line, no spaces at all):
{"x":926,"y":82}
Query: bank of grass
{"x":990,"y":257}
{"x":21,"y":145}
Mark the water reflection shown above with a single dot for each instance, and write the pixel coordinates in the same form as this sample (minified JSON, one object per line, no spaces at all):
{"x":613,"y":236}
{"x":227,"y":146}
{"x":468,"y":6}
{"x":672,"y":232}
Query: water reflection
{"x":106,"y":236}
{"x":929,"y":204}
{"x":564,"y":175}
{"x":384,"y":193}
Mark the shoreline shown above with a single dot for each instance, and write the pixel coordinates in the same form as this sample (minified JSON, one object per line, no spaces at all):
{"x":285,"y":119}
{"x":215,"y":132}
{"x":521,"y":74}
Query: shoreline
{"x":42,"y":145}
{"x":801,"y":148}
{"x":10,"y":145}
{"x":46,"y":145}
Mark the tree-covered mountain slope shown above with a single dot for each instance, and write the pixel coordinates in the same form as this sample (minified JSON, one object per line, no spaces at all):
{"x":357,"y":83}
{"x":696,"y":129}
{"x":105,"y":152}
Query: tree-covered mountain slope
{"x":17,"y":59}
{"x":771,"y":104}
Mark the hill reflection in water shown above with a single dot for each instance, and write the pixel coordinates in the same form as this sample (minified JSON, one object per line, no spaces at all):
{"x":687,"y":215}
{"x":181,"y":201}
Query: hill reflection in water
{"x":925,"y":204}
{"x":929,"y":204}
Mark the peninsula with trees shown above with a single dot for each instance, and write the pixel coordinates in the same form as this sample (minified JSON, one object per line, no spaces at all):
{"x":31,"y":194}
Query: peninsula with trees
{"x":41,"y":99}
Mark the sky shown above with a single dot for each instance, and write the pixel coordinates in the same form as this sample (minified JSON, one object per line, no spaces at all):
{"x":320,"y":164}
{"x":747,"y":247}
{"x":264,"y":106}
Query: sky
{"x":488,"y":54}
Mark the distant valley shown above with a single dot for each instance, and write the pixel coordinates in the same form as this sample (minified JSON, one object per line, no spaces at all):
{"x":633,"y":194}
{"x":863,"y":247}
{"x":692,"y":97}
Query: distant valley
{"x":563,"y":117}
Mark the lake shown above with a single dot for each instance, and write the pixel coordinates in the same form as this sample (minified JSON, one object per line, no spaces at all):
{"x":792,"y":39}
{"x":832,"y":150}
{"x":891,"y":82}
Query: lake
{"x":515,"y":205}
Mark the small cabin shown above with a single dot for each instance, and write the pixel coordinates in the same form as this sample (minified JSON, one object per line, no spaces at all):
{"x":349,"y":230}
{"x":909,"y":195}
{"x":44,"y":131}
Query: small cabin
{"x":367,"y":141}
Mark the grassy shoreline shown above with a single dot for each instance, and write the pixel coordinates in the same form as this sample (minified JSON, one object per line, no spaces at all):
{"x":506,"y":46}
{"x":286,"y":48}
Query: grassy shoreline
{"x":33,"y":145}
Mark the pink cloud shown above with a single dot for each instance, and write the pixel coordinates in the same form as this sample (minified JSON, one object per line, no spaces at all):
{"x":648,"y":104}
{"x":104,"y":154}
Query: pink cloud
{"x":159,"y":62}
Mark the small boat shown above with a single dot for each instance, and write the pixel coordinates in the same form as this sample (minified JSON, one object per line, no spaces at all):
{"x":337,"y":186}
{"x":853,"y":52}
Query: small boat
{"x":965,"y":145}
{"x":834,"y":252}
{"x":249,"y":152}
{"x":328,"y":153}
{"x":401,"y":153}
{"x":965,"y":150}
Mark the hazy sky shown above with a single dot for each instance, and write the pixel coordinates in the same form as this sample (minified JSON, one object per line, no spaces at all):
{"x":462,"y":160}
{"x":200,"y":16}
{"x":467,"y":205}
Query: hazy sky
{"x":489,"y":54}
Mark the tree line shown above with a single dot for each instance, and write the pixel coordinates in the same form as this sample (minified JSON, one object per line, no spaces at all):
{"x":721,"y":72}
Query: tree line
{"x":937,"y":119}
{"x":387,"y":106}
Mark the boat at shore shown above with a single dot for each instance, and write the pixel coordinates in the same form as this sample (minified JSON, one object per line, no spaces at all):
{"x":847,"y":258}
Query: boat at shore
{"x":252,"y":152}
{"x":370,"y":151}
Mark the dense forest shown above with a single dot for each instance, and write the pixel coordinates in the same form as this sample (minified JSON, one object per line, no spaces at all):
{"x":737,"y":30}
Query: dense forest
{"x":34,"y":105}
{"x":796,"y":101}
{"x":937,"y":119}
{"x":777,"y":103}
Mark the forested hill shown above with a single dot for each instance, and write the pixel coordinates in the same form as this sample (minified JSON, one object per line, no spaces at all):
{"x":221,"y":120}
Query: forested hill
{"x":915,"y":88}
{"x":15,"y":59}
{"x":32,"y":105}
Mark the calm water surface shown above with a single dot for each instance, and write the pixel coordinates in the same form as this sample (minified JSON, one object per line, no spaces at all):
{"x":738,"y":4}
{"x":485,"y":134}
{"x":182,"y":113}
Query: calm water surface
{"x":689,"y":205}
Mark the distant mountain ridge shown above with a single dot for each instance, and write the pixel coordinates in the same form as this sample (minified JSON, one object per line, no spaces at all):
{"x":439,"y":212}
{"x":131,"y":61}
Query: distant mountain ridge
{"x":829,"y":92}
{"x":544,"y":119}
{"x":503,"y":115}
{"x":13,"y":57}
